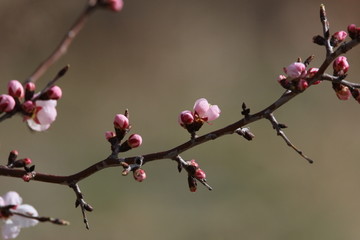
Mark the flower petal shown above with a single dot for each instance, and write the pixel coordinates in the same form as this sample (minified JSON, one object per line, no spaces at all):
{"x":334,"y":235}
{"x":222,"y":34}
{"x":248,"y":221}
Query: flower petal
{"x":213,"y":113}
{"x":201,"y":106}
{"x":25,"y":222}
{"x":12,"y":198}
{"x":10,"y":230}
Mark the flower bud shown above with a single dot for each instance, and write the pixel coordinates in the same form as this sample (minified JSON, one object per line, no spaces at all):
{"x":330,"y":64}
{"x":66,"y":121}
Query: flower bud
{"x":342,"y":92}
{"x":139,"y":175}
{"x":114,"y":5}
{"x":54,"y":92}
{"x":337,"y":38}
{"x":186,"y":118}
{"x":109,"y":134}
{"x":121,"y":122}
{"x":29,"y":90}
{"x":340,"y":65}
{"x":134,"y":141}
{"x":192,"y":183}
{"x":200,"y":174}
{"x":311,"y":73}
{"x":302,"y":85}
{"x":21,"y":163}
{"x":28,"y":106}
{"x":193,"y":163}
{"x":15,"y":89}
{"x":295,"y":70}
{"x":7,"y":103}
{"x":284,"y":82}
{"x":12,"y":157}
{"x":354,"y":32}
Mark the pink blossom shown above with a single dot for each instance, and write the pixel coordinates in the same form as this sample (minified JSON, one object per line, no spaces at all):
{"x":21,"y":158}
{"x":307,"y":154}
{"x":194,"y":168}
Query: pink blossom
{"x":13,"y":224}
{"x":139,"y":175}
{"x":121,"y":122}
{"x":7,"y":103}
{"x":295,"y":70}
{"x":54,"y":92}
{"x":15,"y":89}
{"x":341,"y":65}
{"x":205,"y":111}
{"x":135,"y":140}
{"x":353,"y":31}
{"x":44,"y":115}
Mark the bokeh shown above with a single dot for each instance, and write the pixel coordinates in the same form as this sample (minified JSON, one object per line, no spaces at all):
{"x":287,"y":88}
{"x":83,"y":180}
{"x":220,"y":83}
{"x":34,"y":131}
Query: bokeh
{"x":156,"y":58}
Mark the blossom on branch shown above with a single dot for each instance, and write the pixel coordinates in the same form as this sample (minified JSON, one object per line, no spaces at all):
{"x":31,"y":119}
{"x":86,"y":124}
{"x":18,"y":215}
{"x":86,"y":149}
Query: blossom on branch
{"x":295,"y":70}
{"x":202,"y":112}
{"x":43,"y":116}
{"x":12,"y":224}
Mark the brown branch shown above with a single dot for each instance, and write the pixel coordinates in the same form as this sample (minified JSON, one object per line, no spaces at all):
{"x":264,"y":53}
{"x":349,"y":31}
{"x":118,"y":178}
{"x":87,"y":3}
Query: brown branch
{"x":63,"y":46}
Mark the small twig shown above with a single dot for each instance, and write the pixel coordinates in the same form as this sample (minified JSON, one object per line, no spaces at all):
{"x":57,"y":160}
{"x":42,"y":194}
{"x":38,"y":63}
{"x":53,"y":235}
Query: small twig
{"x":326,"y":30}
{"x":281,"y":133}
{"x":80,"y":202}
{"x":63,"y":46}
{"x":43,"y":219}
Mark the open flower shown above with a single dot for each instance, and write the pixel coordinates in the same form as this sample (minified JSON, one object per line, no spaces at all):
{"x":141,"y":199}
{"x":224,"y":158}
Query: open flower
{"x":12,"y":224}
{"x":43,"y":116}
{"x":202,"y":112}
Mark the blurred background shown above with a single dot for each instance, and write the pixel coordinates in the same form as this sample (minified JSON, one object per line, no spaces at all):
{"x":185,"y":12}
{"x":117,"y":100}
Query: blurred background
{"x":156,"y":58}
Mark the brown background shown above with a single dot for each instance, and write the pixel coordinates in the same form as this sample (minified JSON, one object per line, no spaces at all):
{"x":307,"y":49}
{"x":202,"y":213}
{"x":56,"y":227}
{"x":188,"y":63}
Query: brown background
{"x":156,"y":58}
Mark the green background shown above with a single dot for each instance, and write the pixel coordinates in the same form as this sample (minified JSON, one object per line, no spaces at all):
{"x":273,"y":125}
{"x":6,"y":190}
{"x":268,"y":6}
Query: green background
{"x":156,"y":58}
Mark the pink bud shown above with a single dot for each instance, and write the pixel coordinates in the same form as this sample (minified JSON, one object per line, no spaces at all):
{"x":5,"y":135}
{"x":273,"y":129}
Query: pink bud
{"x":135,"y":140}
{"x":311,"y":73}
{"x":27,"y":161}
{"x":295,"y":70}
{"x":109,"y":134}
{"x":7,"y":103}
{"x":343,"y":93}
{"x":30,"y":86}
{"x":115,"y":5}
{"x":54,"y":92}
{"x":139,"y":175}
{"x":340,"y":36}
{"x":340,"y":65}
{"x":28,"y":106}
{"x":193,"y":163}
{"x":27,"y":177}
{"x":121,"y":122}
{"x":302,"y":85}
{"x":353,"y":31}
{"x":186,"y":118}
{"x":15,"y":89}
{"x":199,"y":174}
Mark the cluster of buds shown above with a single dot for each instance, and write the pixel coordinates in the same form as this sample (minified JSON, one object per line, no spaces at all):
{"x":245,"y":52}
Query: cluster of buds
{"x":37,"y":109}
{"x":194,"y":173}
{"x":202,"y":112}
{"x":298,"y":77}
{"x":122,"y":127}
{"x":13,"y":162}
{"x":113,"y":5}
{"x":341,"y":66}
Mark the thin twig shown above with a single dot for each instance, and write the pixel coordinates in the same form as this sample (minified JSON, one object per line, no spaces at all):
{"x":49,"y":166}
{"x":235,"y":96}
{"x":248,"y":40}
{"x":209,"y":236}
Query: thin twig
{"x":63,"y":46}
{"x":56,"y":221}
{"x":281,"y":133}
{"x":81,"y":202}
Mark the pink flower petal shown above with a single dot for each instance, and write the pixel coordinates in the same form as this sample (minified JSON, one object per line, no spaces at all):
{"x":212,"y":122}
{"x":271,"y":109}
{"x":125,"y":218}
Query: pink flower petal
{"x":201,"y":107}
{"x":213,"y":113}
{"x":12,"y":198}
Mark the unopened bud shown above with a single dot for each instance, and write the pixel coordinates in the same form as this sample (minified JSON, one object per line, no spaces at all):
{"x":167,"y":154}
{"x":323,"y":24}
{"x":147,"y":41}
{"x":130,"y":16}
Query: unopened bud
{"x":29,"y":90}
{"x":28,"y":106}
{"x":15,"y":89}
{"x":12,"y":157}
{"x":121,"y":122}
{"x":134,"y":141}
{"x":7,"y":103}
{"x":54,"y":92}
{"x":192,"y":183}
{"x":200,"y":174}
{"x":186,"y":118}
{"x":139,"y":174}
{"x":340,"y":65}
